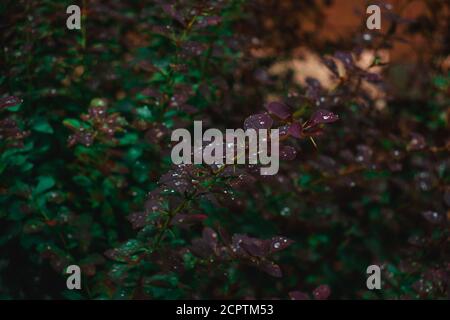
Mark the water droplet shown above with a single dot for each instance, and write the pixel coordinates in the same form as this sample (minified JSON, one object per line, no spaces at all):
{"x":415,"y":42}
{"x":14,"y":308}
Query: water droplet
{"x":285,"y":212}
{"x":432,"y":216}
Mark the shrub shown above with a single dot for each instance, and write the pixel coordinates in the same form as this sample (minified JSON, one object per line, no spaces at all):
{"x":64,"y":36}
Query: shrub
{"x":86,"y":176}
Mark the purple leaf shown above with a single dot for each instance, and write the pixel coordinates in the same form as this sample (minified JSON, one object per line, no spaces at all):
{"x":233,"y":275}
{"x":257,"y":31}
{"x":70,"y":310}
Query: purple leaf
{"x":287,"y":153}
{"x":175,"y":181}
{"x":279,"y":109}
{"x":258,"y":121}
{"x":201,"y":248}
{"x":152,"y":205}
{"x":295,"y":130}
{"x":138,"y":219}
{"x":323,"y":116}
{"x":10,"y":101}
{"x":322,"y":292}
{"x":284,"y":130}
{"x":432,"y":216}
{"x":255,"y":247}
{"x":210,"y":237}
{"x":279,"y":243}
{"x":237,"y":240}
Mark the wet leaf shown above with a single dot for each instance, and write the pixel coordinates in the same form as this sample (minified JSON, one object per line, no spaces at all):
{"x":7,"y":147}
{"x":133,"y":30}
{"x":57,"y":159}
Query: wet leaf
{"x":323,"y":116}
{"x":279,"y":243}
{"x":432,"y":216}
{"x":10,"y":102}
{"x":258,"y":121}
{"x":138,"y":219}
{"x":287,"y":153}
{"x":124,"y":252}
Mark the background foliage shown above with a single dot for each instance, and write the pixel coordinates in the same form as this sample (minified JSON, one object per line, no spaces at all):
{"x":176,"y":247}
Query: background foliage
{"x":86,"y":176}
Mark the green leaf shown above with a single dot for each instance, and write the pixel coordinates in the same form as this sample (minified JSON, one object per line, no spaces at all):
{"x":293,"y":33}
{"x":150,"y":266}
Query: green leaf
{"x":304,"y":180}
{"x":45,"y":183}
{"x":14,"y":108}
{"x":98,"y":102}
{"x":72,"y":123}
{"x":144,"y":113}
{"x":42,"y":125}
{"x":129,"y":138}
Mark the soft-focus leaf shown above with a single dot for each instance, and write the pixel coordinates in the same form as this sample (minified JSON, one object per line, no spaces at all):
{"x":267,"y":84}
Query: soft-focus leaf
{"x":279,"y":109}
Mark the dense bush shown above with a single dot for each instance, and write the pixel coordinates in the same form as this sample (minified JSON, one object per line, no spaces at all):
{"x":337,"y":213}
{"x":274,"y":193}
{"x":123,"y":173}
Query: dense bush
{"x":86,"y":176}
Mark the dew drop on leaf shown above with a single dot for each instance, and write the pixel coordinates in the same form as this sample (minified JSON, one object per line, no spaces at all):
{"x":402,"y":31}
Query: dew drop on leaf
{"x":258,"y":121}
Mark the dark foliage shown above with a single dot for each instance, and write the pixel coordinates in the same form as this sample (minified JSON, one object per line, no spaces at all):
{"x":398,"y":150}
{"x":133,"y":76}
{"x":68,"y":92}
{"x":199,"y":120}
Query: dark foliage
{"x":86,"y":175}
